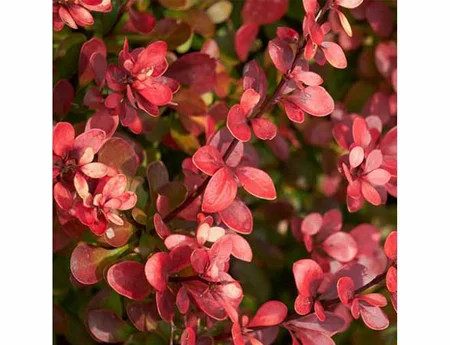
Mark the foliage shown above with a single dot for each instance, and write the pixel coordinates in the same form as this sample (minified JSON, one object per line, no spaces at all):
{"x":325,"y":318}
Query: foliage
{"x":224,"y":172}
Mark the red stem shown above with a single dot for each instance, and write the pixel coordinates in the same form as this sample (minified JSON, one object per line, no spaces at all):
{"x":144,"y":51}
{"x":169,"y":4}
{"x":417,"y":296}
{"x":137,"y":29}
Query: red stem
{"x":268,"y":101}
{"x":327,"y":304}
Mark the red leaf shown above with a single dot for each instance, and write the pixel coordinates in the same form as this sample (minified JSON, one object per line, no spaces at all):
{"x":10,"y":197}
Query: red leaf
{"x":340,"y":246}
{"x":293,"y":111}
{"x":308,"y":276}
{"x":256,"y":182}
{"x":390,"y":246}
{"x":197,"y":70}
{"x":238,"y":217}
{"x":127,"y":278}
{"x":281,"y":54}
{"x":165,"y":302}
{"x":361,"y":133}
{"x":380,"y":18}
{"x":270,"y":313}
{"x":310,"y":6}
{"x":255,"y":78}
{"x":314,"y":100}
{"x":334,"y":54}
{"x":346,"y":289}
{"x":370,"y":193}
{"x":142,"y":21}
{"x":157,"y":270}
{"x":264,"y":129}
{"x":303,"y":305}
{"x":264,"y":11}
{"x":319,"y":310}
{"x":237,"y":123}
{"x":220,"y":191}
{"x":244,"y":39}
{"x":103,"y":121}
{"x":63,"y":196}
{"x":160,"y":227}
{"x":208,"y":159}
{"x":182,"y":300}
{"x":63,"y":138}
{"x":188,"y":337}
{"x":222,"y":140}
{"x":88,"y":49}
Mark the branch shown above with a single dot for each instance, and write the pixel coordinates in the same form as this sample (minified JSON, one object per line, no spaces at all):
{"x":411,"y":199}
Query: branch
{"x":268,"y":102}
{"x":327,"y":304}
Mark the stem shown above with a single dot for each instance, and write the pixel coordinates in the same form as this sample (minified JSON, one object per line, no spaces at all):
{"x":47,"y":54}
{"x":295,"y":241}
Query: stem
{"x":327,"y":304}
{"x":268,"y":101}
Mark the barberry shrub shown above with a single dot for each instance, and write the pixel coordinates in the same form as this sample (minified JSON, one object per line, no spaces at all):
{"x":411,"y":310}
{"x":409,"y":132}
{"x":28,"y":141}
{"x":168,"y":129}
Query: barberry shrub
{"x":224,"y":172}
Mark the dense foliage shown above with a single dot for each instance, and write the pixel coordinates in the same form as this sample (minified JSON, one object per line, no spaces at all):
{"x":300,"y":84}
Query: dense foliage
{"x":224,"y":172}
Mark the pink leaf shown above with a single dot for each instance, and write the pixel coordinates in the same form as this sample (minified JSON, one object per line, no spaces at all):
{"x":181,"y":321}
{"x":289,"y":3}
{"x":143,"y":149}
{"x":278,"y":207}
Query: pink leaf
{"x":373,"y":317}
{"x":270,"y":313}
{"x":241,"y":249}
{"x":334,"y":54}
{"x":356,"y":156}
{"x":220,"y":191}
{"x":378,"y":177}
{"x":349,"y":3}
{"x":340,"y":246}
{"x":312,"y":223}
{"x":256,"y":182}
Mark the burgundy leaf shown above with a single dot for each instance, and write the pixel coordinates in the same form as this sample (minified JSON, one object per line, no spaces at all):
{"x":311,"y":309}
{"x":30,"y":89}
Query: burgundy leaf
{"x":127,"y":278}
